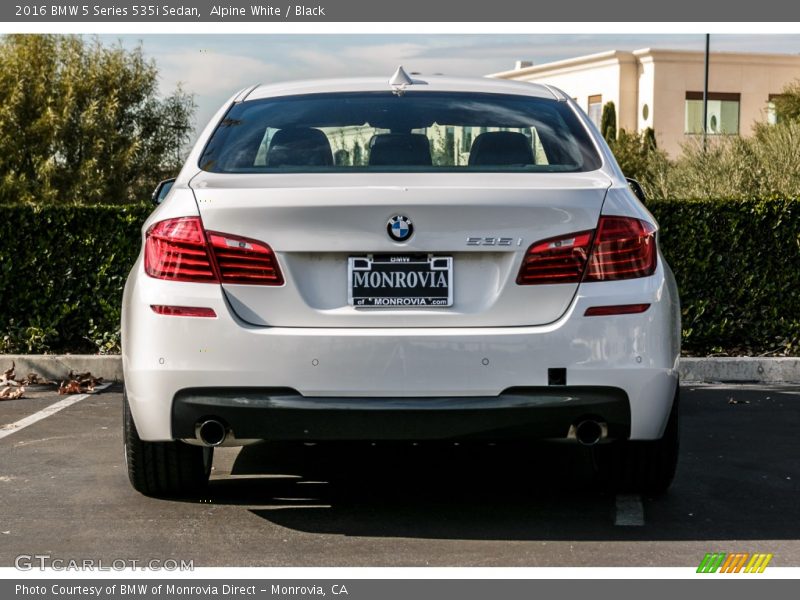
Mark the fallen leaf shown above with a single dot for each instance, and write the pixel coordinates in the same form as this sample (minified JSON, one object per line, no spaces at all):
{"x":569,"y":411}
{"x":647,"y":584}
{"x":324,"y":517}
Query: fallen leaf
{"x":11,"y":393}
{"x":70,"y":387}
{"x":8,"y":374}
{"x":732,"y":400}
{"x":36,"y":379}
{"x":79,"y":383}
{"x":87,"y":376}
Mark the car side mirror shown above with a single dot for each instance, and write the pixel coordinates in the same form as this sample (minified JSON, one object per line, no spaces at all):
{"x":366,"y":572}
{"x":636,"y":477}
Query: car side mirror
{"x":637,"y":189}
{"x":161,"y":191}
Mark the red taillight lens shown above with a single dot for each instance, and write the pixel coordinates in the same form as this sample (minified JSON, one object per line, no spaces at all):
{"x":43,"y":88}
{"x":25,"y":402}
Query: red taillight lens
{"x":178,"y":249}
{"x":623,"y":248}
{"x":242,"y":260}
{"x":183,"y":311}
{"x":556,"y":260}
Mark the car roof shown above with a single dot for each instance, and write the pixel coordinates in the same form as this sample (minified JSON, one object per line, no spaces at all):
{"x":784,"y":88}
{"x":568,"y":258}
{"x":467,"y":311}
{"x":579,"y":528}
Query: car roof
{"x":421,"y":83}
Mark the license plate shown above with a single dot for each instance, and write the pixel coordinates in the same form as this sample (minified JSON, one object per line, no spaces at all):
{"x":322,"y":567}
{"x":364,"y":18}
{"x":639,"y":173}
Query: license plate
{"x":400,"y":280}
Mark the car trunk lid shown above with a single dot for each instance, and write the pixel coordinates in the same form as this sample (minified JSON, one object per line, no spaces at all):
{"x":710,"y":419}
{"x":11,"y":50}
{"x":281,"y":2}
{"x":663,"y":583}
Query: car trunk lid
{"x":315,"y":223}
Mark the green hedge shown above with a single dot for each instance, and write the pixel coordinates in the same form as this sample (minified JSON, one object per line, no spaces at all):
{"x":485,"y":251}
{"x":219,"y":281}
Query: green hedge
{"x":737,"y":264}
{"x":62,"y":270}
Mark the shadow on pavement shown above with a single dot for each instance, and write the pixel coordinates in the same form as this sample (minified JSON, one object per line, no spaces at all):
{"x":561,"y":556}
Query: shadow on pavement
{"x":738,"y":479}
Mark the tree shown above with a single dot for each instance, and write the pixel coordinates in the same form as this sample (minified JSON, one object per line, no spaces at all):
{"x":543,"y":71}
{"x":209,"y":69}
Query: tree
{"x":639,"y":158}
{"x":787,"y":104}
{"x":443,"y":147}
{"x":83,"y":123}
{"x":608,"y":122}
{"x":649,"y":137}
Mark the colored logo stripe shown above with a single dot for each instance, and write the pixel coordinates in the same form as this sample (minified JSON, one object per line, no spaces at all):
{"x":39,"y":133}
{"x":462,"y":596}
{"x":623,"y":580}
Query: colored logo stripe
{"x":711,"y":562}
{"x":758,"y":563}
{"x":734,"y":562}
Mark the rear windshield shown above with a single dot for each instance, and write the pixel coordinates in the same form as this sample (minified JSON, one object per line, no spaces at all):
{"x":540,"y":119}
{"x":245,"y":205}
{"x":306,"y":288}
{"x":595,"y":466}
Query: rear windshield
{"x":412,"y":132}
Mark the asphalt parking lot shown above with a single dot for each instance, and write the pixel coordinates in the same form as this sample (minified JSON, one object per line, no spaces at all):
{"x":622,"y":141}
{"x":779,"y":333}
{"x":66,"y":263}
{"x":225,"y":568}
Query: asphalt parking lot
{"x":64,"y":492}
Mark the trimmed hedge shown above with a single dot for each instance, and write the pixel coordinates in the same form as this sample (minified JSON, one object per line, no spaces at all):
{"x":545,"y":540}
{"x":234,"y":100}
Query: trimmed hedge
{"x":62,"y":271}
{"x":737,"y":264}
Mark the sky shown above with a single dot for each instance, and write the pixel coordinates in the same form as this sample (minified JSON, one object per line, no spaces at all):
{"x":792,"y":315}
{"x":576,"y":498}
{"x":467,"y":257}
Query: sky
{"x":213,"y":67}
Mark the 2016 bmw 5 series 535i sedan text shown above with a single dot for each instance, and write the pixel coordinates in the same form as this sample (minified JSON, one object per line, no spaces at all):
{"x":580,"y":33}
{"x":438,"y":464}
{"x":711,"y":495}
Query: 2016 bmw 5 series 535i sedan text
{"x":405,"y":260}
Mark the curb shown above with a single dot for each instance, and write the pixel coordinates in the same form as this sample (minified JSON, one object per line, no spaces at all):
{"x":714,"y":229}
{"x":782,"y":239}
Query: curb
{"x":691,"y":370}
{"x":58,"y":366}
{"x":739,"y":369}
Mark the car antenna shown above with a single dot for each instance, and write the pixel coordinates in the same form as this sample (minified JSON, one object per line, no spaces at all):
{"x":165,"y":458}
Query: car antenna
{"x":401,"y":80}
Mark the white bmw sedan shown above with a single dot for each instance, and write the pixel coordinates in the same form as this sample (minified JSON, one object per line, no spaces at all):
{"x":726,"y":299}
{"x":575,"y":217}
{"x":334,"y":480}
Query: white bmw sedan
{"x":403,"y":260}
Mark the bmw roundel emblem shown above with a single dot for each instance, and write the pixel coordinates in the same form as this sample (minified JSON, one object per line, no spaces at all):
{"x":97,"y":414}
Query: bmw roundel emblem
{"x":400,"y":228}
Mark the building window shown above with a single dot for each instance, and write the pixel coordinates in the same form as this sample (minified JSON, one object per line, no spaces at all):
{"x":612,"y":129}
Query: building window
{"x":772,"y":116}
{"x":723,"y":113}
{"x":595,"y":110}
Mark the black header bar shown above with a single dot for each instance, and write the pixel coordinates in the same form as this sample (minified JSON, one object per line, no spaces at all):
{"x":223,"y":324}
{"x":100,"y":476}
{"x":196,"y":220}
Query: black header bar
{"x":440,"y":11}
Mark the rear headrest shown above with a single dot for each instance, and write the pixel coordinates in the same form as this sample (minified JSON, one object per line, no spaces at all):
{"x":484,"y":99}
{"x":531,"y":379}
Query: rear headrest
{"x":501,"y":148}
{"x":300,"y":147}
{"x":402,"y":149}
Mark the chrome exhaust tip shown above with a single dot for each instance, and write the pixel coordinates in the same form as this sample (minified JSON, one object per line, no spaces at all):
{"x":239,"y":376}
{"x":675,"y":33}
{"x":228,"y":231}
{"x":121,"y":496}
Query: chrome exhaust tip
{"x":210,"y":432}
{"x":588,"y":432}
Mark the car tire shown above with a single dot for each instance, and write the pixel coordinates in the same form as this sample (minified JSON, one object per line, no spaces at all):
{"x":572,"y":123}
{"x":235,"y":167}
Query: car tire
{"x":644,"y":467}
{"x":164,"y":469}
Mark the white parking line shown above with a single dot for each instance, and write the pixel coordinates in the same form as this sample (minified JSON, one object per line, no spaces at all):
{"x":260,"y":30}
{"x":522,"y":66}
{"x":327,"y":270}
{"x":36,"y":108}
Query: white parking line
{"x":630,"y":512}
{"x":46,"y":412}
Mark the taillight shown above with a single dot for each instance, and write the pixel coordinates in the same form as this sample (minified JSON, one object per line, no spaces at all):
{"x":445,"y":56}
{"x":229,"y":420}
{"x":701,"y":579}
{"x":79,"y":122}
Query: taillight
{"x":625,"y":248}
{"x":556,"y":260}
{"x":176,"y":249}
{"x":180,"y":250}
{"x":242,"y":260}
{"x":622,"y":248}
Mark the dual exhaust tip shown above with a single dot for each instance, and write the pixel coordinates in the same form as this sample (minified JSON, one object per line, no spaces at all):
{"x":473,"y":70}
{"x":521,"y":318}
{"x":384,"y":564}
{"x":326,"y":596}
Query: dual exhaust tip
{"x":588,"y":432}
{"x":211,"y":432}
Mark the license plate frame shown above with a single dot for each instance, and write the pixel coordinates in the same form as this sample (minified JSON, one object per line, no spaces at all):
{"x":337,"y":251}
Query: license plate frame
{"x":424,"y":270}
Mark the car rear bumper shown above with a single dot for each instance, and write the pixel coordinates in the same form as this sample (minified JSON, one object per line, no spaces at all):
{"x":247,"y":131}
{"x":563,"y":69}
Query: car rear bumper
{"x":285,"y":415}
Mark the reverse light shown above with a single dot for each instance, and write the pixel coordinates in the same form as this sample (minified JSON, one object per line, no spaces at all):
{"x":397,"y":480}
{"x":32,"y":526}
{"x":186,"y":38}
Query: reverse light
{"x":620,"y":248}
{"x":181,"y":250}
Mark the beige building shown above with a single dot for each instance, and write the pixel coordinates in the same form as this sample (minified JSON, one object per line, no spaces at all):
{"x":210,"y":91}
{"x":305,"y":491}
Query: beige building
{"x":663,"y":89}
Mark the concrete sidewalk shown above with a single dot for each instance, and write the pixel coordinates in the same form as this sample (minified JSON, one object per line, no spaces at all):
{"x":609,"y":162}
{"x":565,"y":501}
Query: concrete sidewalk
{"x":692,"y":370}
